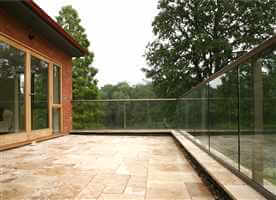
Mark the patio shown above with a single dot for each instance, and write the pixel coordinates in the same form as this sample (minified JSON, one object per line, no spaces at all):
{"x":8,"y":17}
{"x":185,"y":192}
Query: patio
{"x":100,"y":167}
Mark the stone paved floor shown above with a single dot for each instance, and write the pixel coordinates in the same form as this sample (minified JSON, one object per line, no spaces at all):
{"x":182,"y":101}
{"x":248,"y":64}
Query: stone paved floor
{"x":100,"y":168}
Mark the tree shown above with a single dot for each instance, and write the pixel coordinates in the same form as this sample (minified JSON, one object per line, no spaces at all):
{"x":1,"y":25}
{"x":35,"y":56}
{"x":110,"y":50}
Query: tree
{"x":84,"y":82}
{"x":137,"y":113}
{"x":196,"y":38}
{"x":143,"y":91}
{"x":123,"y":90}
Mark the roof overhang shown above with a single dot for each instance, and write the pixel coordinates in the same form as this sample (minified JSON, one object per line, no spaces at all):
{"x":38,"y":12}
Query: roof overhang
{"x":31,"y":14}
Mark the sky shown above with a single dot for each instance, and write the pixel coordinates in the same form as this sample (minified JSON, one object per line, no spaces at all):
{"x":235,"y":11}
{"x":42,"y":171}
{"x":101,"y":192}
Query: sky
{"x":118,"y":31}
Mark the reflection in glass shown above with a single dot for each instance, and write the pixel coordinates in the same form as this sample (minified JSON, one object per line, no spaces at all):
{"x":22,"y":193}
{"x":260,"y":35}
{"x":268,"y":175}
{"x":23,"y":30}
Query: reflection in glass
{"x":265,"y":123}
{"x":56,"y":84}
{"x":223,"y":115}
{"x":151,"y":114}
{"x":129,"y":114}
{"x":246,"y":117}
{"x":195,"y":115}
{"x":86,"y":115}
{"x":12,"y":89}
{"x":39,"y":95}
{"x":257,"y":119}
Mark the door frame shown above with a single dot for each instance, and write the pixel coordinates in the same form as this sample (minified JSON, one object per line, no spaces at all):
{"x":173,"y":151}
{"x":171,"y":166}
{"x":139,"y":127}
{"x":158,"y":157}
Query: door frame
{"x":53,"y":105}
{"x":29,"y":133}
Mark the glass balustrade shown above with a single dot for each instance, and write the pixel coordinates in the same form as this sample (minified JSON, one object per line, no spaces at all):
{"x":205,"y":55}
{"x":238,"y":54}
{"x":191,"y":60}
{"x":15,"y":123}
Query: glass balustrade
{"x":232,"y":115}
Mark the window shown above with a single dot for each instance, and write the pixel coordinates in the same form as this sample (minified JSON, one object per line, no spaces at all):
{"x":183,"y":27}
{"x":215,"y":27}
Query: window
{"x":39,"y":94}
{"x":12,"y":89}
{"x":56,"y":84}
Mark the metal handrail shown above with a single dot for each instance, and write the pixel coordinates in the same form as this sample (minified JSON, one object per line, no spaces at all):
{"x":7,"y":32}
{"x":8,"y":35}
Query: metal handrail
{"x":125,"y":100}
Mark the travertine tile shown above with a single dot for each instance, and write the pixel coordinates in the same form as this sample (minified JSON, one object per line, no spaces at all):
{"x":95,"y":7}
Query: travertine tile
{"x":98,"y":167}
{"x":138,"y":168}
{"x":168,"y":191}
{"x":171,"y":167}
{"x":129,"y":193}
{"x":198,"y":190}
{"x":173,"y":177}
{"x":92,"y":191}
{"x":137,"y":181}
{"x":120,"y":197}
{"x":162,"y":199}
{"x":243,"y":192}
{"x":116,"y":184}
{"x":227,"y":178}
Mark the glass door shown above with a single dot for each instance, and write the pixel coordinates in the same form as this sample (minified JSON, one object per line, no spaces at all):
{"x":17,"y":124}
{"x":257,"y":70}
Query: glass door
{"x":39,"y":94}
{"x":12,"y":89}
{"x":56,"y":109}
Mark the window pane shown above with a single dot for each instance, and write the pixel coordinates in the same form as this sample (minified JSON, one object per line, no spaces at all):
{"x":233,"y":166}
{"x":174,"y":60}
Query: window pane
{"x":12,"y":88}
{"x":56,"y":84}
{"x":56,"y":120}
{"x":39,"y":89}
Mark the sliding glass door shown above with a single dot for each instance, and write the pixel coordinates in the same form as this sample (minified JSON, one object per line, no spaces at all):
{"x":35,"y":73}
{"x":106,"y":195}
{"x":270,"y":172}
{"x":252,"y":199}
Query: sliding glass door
{"x":12,"y":89}
{"x":30,"y":92}
{"x":39,"y":94}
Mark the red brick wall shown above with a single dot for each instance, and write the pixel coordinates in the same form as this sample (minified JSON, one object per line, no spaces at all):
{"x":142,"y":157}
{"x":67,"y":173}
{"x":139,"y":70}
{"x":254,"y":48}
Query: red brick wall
{"x":67,"y":97}
{"x":19,"y":32}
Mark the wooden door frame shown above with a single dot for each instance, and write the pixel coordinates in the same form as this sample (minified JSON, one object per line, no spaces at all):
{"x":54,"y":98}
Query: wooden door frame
{"x":57,"y":106}
{"x":29,"y":133}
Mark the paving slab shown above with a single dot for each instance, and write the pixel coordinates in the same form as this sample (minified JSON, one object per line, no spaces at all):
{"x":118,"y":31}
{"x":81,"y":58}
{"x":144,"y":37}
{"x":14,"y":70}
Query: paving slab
{"x":232,"y":184}
{"x":100,"y":167}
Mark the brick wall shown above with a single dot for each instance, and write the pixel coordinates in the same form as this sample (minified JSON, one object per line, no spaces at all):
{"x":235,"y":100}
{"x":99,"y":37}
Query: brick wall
{"x":67,"y":97}
{"x":10,"y":26}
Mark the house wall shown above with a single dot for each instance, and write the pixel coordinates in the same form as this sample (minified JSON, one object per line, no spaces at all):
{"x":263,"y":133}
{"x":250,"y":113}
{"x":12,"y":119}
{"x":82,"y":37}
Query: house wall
{"x":9,"y":26}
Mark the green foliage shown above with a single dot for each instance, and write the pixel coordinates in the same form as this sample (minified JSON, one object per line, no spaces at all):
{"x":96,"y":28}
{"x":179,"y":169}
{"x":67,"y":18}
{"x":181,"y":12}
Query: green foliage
{"x":84,"y":82}
{"x":120,"y":91}
{"x":123,"y":90}
{"x":234,"y":96}
{"x":138,"y":114}
{"x":39,"y":76}
{"x":196,"y":38}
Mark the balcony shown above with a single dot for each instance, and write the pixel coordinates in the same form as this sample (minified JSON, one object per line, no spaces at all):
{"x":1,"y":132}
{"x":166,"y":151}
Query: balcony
{"x":216,"y":142}
{"x":230,"y":116}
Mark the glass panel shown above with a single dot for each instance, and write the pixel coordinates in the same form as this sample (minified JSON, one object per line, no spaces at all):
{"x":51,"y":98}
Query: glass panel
{"x":56,"y":120}
{"x":56,"y":84}
{"x":137,"y":115}
{"x":12,"y":89}
{"x":223,"y":117}
{"x":265,"y":123}
{"x":196,"y":110}
{"x":102,"y":115}
{"x":156,"y":113}
{"x":246,"y":118}
{"x":257,"y":120}
{"x":182,"y":116}
{"x":124,"y":114}
{"x":39,"y":89}
{"x":151,"y":114}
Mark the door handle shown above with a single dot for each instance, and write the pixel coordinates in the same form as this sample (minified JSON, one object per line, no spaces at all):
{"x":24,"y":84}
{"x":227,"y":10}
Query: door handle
{"x":32,"y":94}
